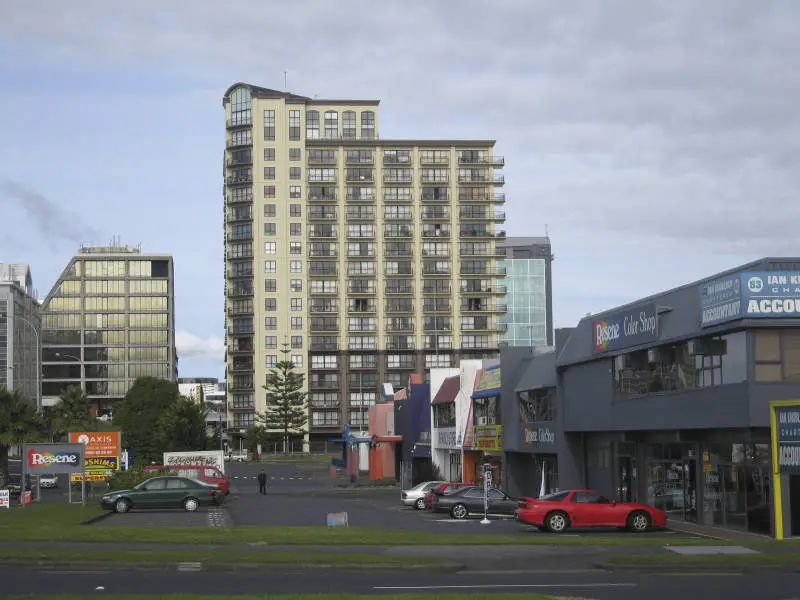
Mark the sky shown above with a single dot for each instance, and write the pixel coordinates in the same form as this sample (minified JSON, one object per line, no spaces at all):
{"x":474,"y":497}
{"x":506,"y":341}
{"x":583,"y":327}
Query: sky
{"x":656,"y":142}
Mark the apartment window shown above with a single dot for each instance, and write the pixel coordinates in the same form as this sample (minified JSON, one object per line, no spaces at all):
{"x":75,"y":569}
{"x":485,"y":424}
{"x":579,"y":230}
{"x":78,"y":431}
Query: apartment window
{"x":242,"y":250}
{"x":368,"y":124}
{"x":269,"y":125}
{"x":361,"y":249}
{"x":295,"y":210}
{"x":296,"y":285}
{"x":270,"y":323}
{"x":270,"y":285}
{"x":295,"y":229}
{"x":240,"y":269}
{"x":312,"y":124}
{"x":295,"y":154}
{"x":270,"y":304}
{"x":362,"y":361}
{"x":297,"y":342}
{"x":398,"y":212}
{"x":331,"y":124}
{"x":365,"y":342}
{"x":475,"y":341}
{"x":297,"y":304}
{"x":297,"y":322}
{"x":296,"y":266}
{"x":270,"y":266}
{"x":272,"y":361}
{"x":271,"y":342}
{"x":269,"y":191}
{"x":295,"y":248}
{"x":270,"y":247}
{"x":359,"y":230}
{"x":295,"y":191}
{"x":297,"y":360}
{"x":324,"y":286}
{"x":295,"y":173}
{"x":242,"y":138}
{"x":294,"y":124}
{"x":269,"y":154}
{"x":324,"y":361}
{"x":269,"y":172}
{"x":269,"y":210}
{"x":438,"y":361}
{"x":397,"y":157}
{"x":270,"y":229}
{"x":322,"y":175}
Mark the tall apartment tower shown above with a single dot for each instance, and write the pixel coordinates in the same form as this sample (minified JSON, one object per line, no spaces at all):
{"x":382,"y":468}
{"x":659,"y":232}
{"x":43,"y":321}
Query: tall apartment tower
{"x":109,"y":319}
{"x":372,"y":258}
{"x":20,"y":327}
{"x":529,"y":291}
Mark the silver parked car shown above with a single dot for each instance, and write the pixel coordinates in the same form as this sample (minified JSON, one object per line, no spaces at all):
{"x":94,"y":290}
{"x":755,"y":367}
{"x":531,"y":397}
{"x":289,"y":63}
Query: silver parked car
{"x":416,"y":496}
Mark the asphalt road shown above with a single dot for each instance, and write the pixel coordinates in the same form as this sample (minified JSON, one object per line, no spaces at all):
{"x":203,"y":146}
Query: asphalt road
{"x":600,"y":586}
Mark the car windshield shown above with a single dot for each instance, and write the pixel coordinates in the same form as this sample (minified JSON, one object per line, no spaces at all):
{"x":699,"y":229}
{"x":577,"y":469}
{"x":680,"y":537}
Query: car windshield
{"x":555,"y":496}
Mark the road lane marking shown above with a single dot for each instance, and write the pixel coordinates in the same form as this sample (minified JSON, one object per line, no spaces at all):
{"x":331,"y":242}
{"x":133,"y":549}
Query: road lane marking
{"x":489,"y":586}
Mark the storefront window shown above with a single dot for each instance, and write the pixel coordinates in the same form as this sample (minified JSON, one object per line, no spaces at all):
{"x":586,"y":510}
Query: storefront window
{"x":487,"y":410}
{"x":537,"y":405}
{"x":777,"y":355}
{"x":444,"y":415}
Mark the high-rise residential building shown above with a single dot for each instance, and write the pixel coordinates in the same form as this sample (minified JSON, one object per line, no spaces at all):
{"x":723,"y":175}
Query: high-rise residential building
{"x":528,"y":284}
{"x":20,"y":337}
{"x":371,"y":258}
{"x":109,"y":319}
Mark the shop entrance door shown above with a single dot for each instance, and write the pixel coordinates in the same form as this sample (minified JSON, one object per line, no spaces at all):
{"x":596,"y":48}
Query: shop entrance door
{"x":690,"y":489}
{"x":673,"y":488}
{"x":626,"y":476}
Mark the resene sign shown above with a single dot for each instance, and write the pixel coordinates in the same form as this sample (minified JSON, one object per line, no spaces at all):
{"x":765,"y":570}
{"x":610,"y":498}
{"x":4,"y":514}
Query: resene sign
{"x":53,"y":458}
{"x":720,"y":301}
{"x":625,"y":328}
{"x":771,"y":294}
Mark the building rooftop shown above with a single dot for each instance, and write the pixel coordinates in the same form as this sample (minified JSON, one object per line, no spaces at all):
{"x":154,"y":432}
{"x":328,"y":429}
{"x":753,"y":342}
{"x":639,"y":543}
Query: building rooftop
{"x":524,"y":241}
{"x":262,"y":92}
{"x":18,"y":274}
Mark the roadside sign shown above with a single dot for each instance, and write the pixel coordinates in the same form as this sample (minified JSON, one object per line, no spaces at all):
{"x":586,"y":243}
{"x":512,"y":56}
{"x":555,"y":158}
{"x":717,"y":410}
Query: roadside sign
{"x":5,"y":499}
{"x":102,"y":449}
{"x":338,"y":520}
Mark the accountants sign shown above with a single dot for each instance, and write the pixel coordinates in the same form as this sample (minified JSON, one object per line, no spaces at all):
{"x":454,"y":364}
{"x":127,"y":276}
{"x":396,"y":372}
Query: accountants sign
{"x":625,"y":328}
{"x":771,"y":294}
{"x":787,"y":438}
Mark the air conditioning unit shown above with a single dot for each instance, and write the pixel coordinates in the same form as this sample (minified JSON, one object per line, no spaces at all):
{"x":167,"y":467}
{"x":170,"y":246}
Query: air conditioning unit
{"x":483,"y":421}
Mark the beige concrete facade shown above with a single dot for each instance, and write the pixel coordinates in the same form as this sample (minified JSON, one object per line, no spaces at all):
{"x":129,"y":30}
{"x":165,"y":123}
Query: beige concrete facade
{"x":372,"y":258}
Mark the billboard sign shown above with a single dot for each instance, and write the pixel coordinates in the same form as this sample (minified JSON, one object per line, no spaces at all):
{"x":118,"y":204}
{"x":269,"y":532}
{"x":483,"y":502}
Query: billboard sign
{"x":625,"y":328}
{"x":787,"y":434}
{"x":53,"y":458}
{"x":720,"y":301}
{"x":771,"y":294}
{"x":102,"y":450}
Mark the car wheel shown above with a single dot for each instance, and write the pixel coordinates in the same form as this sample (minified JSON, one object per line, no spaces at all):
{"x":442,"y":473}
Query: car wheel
{"x":639,"y":521}
{"x":557,"y":522}
{"x":190,"y":505}
{"x":420,"y":504}
{"x":459,"y":511}
{"x":122,"y":505}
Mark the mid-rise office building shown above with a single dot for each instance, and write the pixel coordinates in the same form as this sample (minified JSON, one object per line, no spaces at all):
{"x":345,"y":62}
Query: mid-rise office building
{"x":528,"y":286}
{"x":20,"y":326}
{"x":109,"y":319}
{"x":371,"y":258}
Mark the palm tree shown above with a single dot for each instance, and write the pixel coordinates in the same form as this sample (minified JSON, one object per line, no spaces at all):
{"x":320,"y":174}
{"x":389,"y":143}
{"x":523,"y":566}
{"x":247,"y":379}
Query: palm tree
{"x":19,"y":423}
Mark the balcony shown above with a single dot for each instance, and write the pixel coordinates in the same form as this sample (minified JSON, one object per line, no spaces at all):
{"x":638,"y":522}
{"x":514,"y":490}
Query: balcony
{"x":466,"y":159}
{"x":400,"y":327}
{"x":482,"y":215}
{"x":246,"y":406}
{"x":435,"y":215}
{"x":474,"y":179}
{"x":322,"y":233}
{"x":498,"y":178}
{"x":486,"y":271}
{"x":400,"y":308}
{"x":317,"y":178}
{"x":435,"y":179}
{"x":442,"y":305}
{"x":323,"y":308}
{"x":239,"y":311}
{"x":436,"y":290}
{"x":325,"y":270}
{"x":324,"y":384}
{"x":324,"y":291}
{"x":355,"y":214}
{"x":398,"y":216}
{"x":360,"y":197}
{"x":361,"y":272}
{"x":399,"y":343}
{"x":440,"y":253}
{"x":436,"y":197}
{"x":327,"y":214}
{"x":484,"y":307}
{"x":239,"y":122}
{"x":399,"y":233}
{"x":329,"y":252}
{"x":405,"y":290}
{"x":238,"y":143}
{"x":321,"y":160}
{"x":399,"y":270}
{"x":397,"y":180}
{"x":324,"y":344}
{"x":430,"y":271}
{"x":240,"y":198}
{"x":436,"y":159}
{"x":362,"y":309}
{"x":361,"y":290}
{"x":243,"y":367}
{"x":433,"y":233}
{"x":499,"y":198}
{"x":239,"y":237}
{"x":239,"y":217}
{"x":361,"y":234}
{"x":365,"y":178}
{"x":239,"y":162}
{"x":239,"y":292}
{"x":359,"y":160}
{"x":477,"y":232}
{"x":333,"y":136}
{"x":241,"y":180}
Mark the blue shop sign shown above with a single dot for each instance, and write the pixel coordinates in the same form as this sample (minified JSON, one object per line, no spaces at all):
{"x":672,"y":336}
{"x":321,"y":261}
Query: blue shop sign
{"x":720,"y":301}
{"x":771,"y":294}
{"x":625,"y":328}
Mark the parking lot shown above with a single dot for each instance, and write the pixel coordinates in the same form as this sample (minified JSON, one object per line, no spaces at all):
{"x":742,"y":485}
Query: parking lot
{"x":304,"y":494}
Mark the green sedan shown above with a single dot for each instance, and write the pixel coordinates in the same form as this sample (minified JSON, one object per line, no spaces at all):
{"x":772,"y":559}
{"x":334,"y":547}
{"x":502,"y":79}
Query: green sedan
{"x":164,"y":492}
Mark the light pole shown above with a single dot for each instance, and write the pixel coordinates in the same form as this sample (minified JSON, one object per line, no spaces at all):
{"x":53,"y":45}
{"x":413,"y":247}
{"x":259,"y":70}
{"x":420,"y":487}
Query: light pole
{"x":38,"y":361}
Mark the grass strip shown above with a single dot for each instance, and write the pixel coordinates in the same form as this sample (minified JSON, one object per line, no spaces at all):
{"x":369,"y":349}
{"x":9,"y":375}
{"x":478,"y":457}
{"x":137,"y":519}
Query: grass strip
{"x":714,"y":560}
{"x":61,"y":522}
{"x":411,"y":596}
{"x":164,"y":556}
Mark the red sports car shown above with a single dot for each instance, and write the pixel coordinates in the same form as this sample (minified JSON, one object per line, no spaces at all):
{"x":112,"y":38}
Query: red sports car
{"x":586,"y":508}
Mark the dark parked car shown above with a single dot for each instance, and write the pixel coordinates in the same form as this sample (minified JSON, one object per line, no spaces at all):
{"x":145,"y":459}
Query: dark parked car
{"x":164,"y":492}
{"x":467,"y":501}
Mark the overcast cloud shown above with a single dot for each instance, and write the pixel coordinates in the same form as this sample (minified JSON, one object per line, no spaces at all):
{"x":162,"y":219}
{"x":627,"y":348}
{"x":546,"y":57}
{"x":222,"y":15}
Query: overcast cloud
{"x":659,"y":141}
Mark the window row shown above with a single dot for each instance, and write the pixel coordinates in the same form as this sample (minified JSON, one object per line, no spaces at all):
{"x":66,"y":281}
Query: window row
{"x":74,"y":287}
{"x":75,"y":304}
{"x":104,"y":320}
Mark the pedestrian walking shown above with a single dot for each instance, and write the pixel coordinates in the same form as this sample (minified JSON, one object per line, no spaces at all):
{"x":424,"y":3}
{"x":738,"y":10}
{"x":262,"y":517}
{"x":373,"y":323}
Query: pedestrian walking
{"x":262,"y":482}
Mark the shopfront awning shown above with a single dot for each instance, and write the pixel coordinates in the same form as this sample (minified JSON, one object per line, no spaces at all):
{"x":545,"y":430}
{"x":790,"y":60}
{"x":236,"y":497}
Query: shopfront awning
{"x":541,"y":373}
{"x":487,"y":383}
{"x":448,"y":390}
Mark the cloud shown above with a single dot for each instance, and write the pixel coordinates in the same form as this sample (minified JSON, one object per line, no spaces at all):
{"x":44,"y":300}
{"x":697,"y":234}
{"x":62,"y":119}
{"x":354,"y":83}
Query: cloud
{"x":52,"y":221}
{"x":192,"y":346}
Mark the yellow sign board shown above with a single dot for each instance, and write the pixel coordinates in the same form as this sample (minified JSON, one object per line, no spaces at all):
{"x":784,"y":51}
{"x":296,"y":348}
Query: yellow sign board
{"x":488,"y":379}
{"x":489,"y":437}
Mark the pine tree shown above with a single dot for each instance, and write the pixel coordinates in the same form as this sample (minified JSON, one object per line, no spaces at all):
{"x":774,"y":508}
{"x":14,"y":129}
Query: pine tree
{"x":287,"y":410}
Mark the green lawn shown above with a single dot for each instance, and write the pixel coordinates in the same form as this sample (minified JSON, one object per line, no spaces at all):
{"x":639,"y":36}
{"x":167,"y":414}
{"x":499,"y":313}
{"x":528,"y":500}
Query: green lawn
{"x":422,"y":596}
{"x":62,"y":522}
{"x":166,"y":556}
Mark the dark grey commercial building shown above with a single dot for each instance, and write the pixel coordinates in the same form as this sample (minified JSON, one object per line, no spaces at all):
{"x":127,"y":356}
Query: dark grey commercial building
{"x":667,"y":401}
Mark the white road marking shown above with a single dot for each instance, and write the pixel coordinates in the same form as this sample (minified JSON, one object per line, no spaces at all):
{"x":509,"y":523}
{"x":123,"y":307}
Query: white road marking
{"x":498,"y":586}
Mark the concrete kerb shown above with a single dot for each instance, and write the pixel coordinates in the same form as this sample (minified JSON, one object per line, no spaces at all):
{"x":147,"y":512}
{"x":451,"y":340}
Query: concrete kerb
{"x":60,"y":565}
{"x":688,"y":567}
